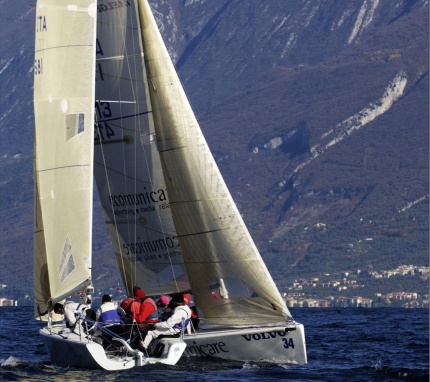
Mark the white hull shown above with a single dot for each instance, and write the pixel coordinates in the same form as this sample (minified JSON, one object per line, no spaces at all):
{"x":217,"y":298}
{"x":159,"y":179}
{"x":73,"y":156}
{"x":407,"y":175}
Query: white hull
{"x":67,"y":348}
{"x":279,"y":344}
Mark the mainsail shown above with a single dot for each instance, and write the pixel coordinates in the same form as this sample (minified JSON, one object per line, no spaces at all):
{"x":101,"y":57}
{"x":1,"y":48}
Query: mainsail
{"x":127,"y":164}
{"x":64,"y":109}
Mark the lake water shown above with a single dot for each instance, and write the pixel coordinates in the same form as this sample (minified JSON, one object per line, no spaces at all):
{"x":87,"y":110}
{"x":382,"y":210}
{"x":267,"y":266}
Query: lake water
{"x":346,"y":344}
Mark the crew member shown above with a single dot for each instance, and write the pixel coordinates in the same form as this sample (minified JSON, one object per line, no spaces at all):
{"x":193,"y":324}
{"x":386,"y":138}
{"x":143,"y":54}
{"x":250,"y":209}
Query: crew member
{"x":164,"y":311}
{"x":148,"y":312}
{"x":177,"y":322}
{"x":107,"y":313}
{"x":131,"y":307}
{"x":70,"y":309}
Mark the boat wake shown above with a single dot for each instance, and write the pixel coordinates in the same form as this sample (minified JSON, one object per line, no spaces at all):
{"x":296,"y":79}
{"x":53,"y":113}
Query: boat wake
{"x":400,"y":373}
{"x":248,"y":365}
{"x":11,"y":361}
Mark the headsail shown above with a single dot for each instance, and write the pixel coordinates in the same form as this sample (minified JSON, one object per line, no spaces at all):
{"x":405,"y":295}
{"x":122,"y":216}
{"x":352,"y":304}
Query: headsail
{"x":64,"y":107}
{"x":216,"y":245}
{"x":127,"y":164}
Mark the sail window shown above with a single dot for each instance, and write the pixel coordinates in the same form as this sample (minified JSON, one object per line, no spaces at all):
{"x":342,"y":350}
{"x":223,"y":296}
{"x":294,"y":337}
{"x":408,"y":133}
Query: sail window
{"x":74,"y":125}
{"x":232,"y":288}
{"x":67,"y":264}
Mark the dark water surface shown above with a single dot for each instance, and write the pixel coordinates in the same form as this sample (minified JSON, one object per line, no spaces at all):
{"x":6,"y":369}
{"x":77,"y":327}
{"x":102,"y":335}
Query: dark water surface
{"x":346,"y":344}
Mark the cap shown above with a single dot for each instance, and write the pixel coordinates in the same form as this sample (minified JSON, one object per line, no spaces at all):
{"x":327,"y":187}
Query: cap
{"x":139,"y":294}
{"x":164,"y":300}
{"x":106,"y":298}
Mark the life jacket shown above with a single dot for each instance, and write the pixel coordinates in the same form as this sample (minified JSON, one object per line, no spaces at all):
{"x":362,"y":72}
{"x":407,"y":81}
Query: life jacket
{"x":125,"y":303}
{"x":153,"y":317}
{"x":109,"y":315}
{"x":131,"y":307}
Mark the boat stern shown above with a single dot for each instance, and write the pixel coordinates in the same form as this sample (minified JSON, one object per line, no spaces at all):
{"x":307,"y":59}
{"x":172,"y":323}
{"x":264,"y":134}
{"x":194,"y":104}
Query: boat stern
{"x":276,"y":344}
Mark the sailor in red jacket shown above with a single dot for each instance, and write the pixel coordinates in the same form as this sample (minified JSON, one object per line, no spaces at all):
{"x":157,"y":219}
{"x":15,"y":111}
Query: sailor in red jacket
{"x":148,"y":312}
{"x":131,"y":307}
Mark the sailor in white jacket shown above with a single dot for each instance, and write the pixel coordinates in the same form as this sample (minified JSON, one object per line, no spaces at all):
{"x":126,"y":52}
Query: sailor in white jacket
{"x":70,"y":310}
{"x":177,"y":322}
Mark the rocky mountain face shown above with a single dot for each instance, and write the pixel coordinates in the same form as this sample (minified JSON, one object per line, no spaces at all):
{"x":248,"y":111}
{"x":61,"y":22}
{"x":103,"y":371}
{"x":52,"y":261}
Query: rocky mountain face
{"x":316,"y":112}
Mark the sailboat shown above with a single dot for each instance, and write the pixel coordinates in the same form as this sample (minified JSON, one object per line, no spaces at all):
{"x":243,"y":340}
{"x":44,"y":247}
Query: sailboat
{"x":173,"y":224}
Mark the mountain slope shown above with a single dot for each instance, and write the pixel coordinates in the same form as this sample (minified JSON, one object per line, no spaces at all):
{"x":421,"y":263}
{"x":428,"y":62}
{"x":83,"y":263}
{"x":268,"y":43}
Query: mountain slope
{"x":316,"y":111}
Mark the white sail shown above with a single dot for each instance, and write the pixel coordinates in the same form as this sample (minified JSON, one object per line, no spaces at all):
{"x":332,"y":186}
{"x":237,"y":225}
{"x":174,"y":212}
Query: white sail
{"x":63,"y":105}
{"x":217,"y":248}
{"x":127,"y":164}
